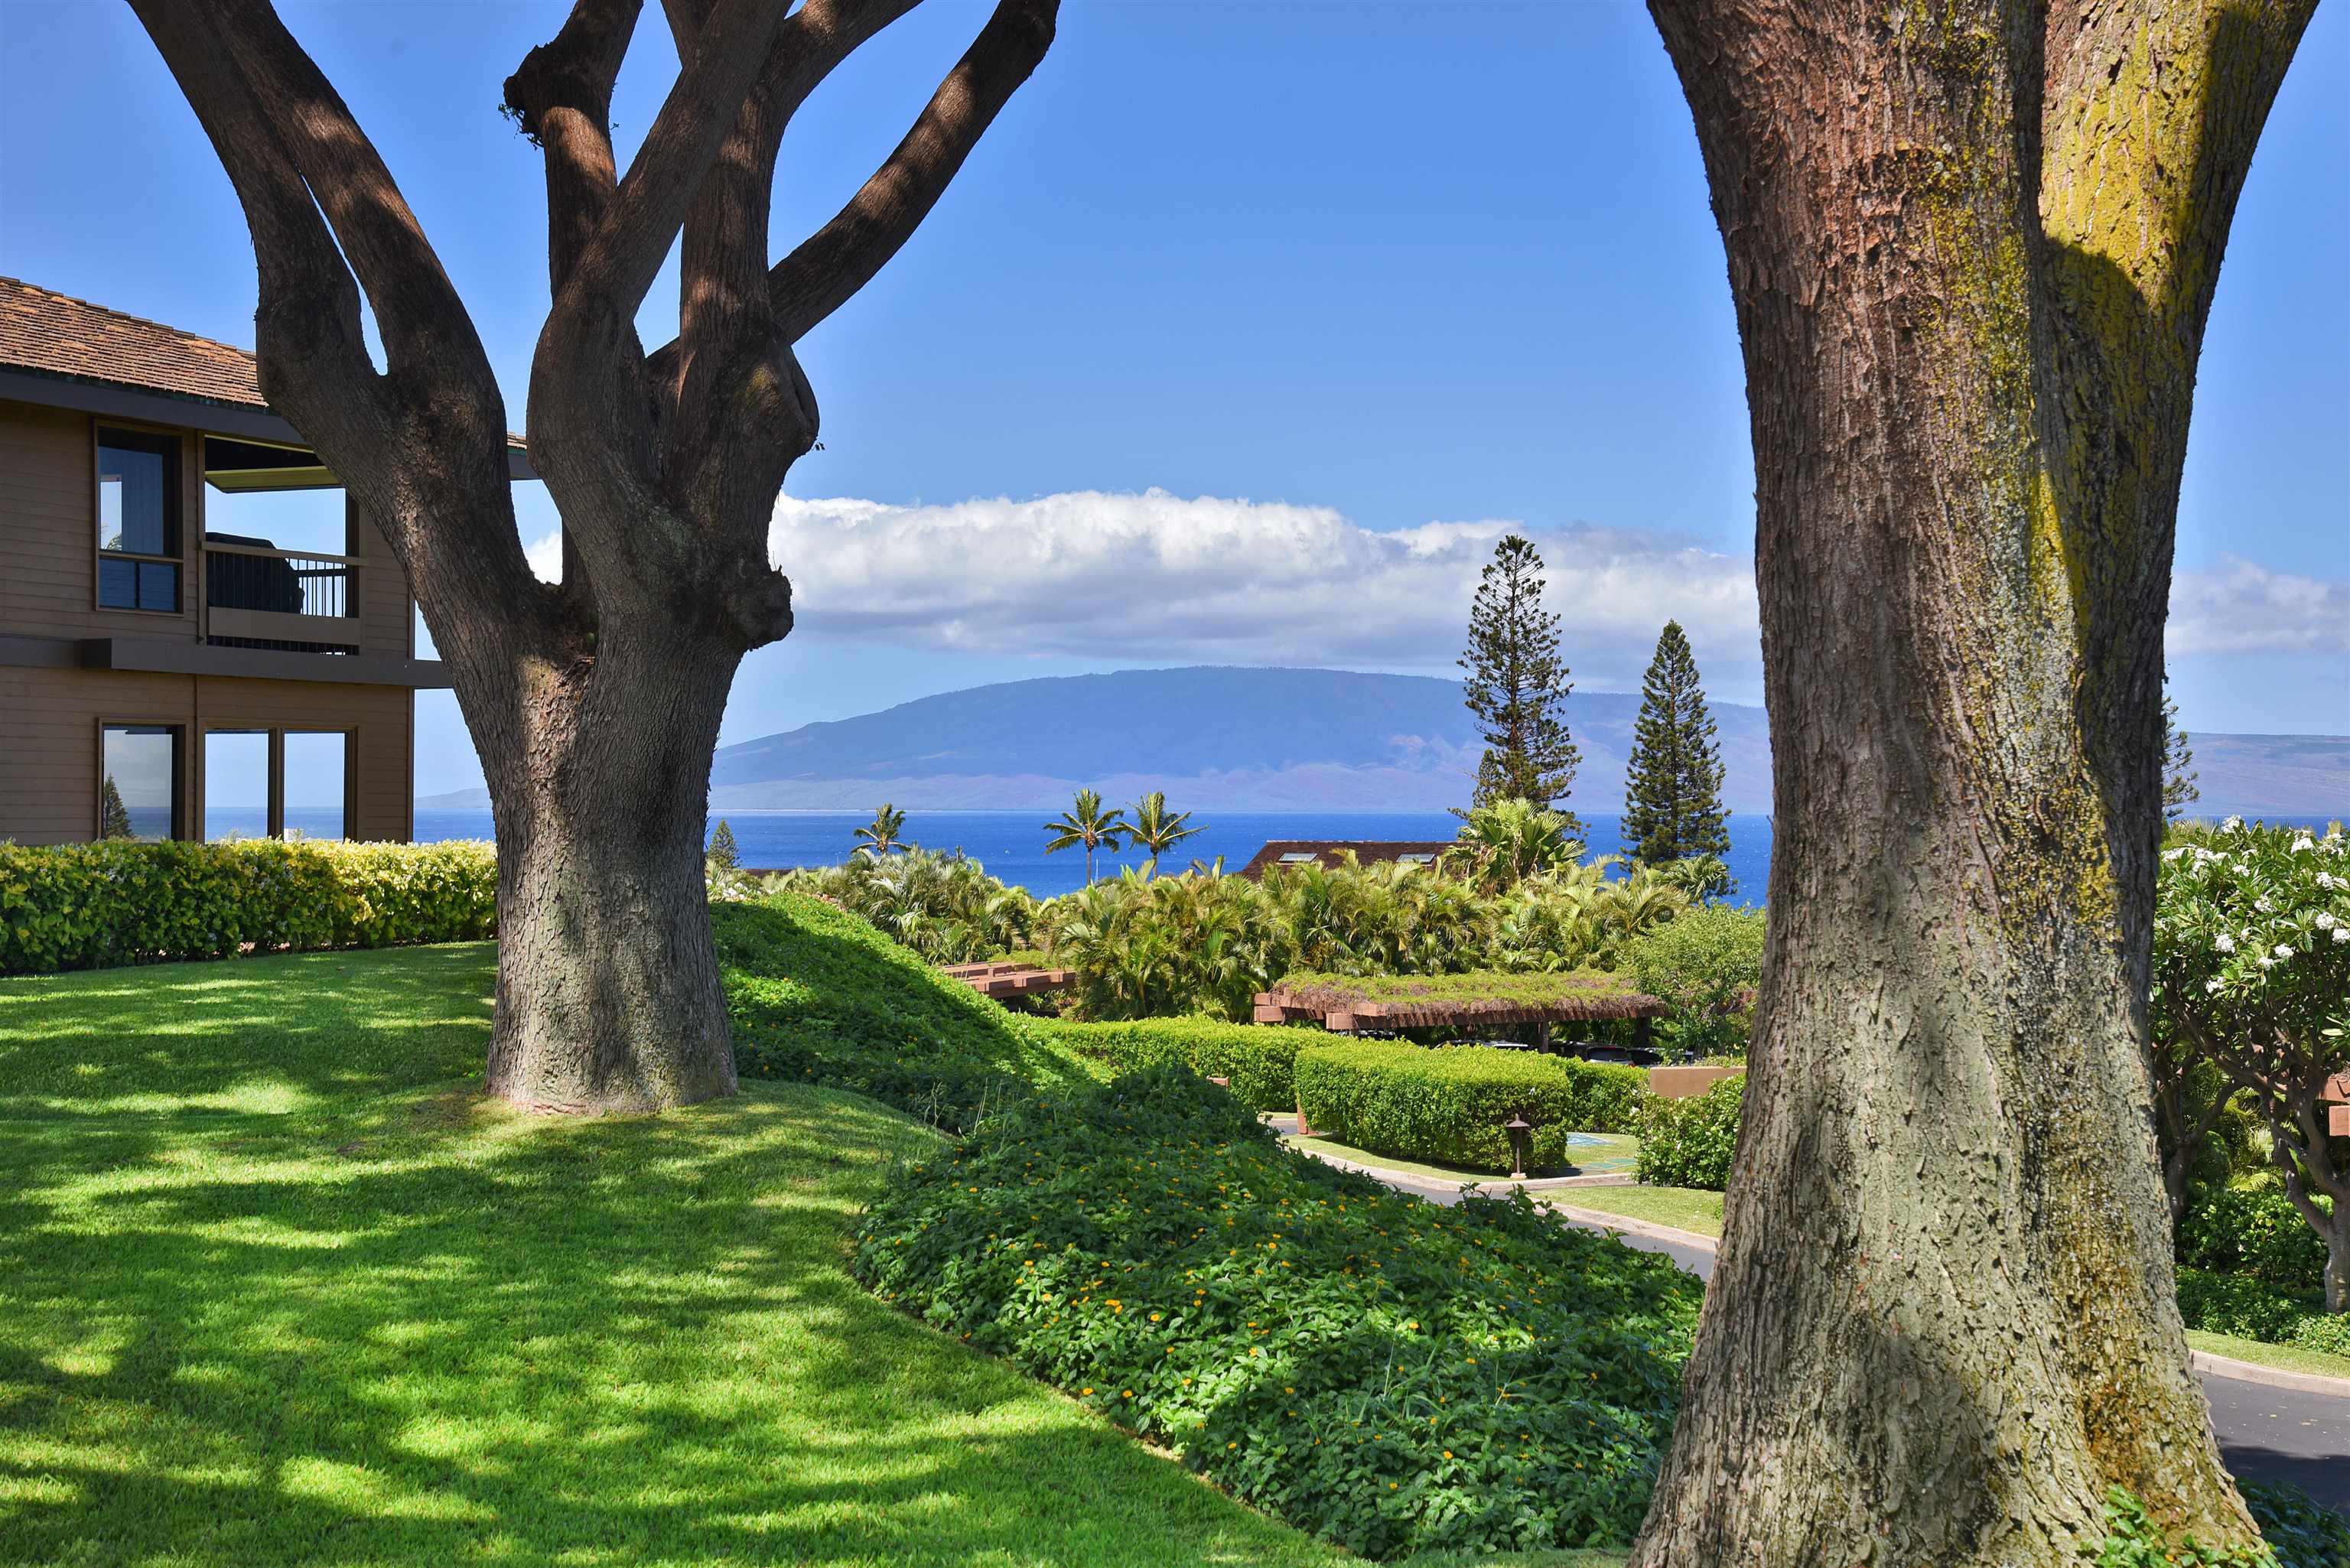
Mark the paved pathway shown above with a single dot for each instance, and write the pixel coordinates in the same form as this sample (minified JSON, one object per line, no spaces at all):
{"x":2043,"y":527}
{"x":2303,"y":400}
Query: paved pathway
{"x":2265,"y":1433}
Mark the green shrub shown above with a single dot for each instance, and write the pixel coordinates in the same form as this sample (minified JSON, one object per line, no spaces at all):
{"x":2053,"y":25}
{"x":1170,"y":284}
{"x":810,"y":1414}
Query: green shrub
{"x":1705,"y":964}
{"x":2251,"y":1229}
{"x":2302,"y":1533}
{"x":1691,"y":1142}
{"x":815,"y":993}
{"x":2230,"y":1304}
{"x":1385,"y":1373}
{"x":1259,"y":1059}
{"x":86,"y":905}
{"x":1450,"y":1106}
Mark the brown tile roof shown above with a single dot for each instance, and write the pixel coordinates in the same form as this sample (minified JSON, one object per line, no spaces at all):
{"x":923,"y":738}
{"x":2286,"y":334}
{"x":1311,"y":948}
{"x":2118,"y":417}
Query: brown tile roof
{"x":1331,"y":852}
{"x":58,"y":335}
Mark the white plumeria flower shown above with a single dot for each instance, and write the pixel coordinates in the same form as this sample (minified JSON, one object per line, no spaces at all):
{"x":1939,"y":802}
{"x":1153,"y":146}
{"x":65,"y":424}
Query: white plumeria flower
{"x":2213,"y":984}
{"x":2226,"y":944}
{"x":2172,"y":853}
{"x":2267,"y":962}
{"x":2324,"y":919}
{"x":2283,"y":951}
{"x":2231,"y":825}
{"x":2304,"y":845}
{"x":2342,"y":933}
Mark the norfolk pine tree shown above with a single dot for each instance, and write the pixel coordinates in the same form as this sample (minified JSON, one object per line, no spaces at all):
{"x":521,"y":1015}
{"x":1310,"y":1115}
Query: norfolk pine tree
{"x":1516,"y":686}
{"x":1672,"y":791}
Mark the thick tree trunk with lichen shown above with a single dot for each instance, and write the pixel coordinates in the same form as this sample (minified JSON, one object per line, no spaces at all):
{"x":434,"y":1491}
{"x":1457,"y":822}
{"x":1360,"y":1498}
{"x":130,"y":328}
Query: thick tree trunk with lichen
{"x":1972,"y":247}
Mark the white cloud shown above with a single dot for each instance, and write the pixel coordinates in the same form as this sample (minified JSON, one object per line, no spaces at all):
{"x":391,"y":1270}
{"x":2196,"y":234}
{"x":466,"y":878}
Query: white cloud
{"x":1156,"y":576}
{"x":1122,"y":577}
{"x":2241,"y":607}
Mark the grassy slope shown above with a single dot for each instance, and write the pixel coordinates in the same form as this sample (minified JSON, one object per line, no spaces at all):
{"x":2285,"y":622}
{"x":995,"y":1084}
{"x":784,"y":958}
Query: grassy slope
{"x":276,"y":1285}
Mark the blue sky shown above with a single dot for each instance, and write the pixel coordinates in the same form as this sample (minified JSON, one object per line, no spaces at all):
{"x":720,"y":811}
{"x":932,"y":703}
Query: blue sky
{"x":1354,"y":285}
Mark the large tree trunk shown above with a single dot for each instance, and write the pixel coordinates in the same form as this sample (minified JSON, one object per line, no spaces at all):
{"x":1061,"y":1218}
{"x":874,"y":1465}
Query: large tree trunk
{"x":1942,"y":1324}
{"x":608,"y":996}
{"x":594,"y":704}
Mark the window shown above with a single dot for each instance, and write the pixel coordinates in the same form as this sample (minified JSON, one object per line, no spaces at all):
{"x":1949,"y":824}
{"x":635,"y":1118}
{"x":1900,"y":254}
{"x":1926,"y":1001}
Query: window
{"x":138,"y":521}
{"x":237,"y":785}
{"x":1415,"y":859}
{"x":315,"y":766}
{"x":275,"y":784}
{"x":139,"y":782}
{"x":1299,"y":858}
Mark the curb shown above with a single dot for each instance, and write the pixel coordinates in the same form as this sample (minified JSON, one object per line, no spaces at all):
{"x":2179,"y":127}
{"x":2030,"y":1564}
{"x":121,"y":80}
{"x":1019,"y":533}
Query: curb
{"x":2226,"y":1366}
{"x":2236,"y":1371}
{"x":1606,"y":1221}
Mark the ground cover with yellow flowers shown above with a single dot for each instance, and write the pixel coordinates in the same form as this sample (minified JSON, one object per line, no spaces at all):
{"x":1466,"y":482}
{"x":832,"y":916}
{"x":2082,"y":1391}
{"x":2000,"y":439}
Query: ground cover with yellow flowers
{"x":1392,"y":1375}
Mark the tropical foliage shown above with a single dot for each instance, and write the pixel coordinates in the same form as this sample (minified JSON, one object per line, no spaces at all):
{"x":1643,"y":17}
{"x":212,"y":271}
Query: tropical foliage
{"x":1156,"y":828}
{"x":940,"y":903}
{"x":1705,"y":963}
{"x":1388,"y":1373}
{"x":2252,"y":972}
{"x":1501,"y":843}
{"x":1087,"y":824}
{"x":86,"y":905}
{"x":885,"y":834}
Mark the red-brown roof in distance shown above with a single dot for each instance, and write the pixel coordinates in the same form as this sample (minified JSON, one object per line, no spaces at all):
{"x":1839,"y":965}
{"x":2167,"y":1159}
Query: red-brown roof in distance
{"x":55,"y":334}
{"x":58,"y":335}
{"x":1332,"y":852}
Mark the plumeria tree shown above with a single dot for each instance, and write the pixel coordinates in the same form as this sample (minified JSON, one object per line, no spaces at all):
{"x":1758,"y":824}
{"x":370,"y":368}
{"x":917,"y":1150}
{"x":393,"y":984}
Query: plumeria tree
{"x":2251,"y":967}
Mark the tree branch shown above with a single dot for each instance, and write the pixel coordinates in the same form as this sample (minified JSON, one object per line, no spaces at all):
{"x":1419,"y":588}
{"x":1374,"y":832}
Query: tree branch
{"x":617,"y":265}
{"x":842,"y":257}
{"x":561,"y":96}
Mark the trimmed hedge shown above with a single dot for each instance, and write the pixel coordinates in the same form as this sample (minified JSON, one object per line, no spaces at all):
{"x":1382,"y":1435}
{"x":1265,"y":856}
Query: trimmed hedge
{"x":2248,"y":1309}
{"x":1259,"y":1059}
{"x":1448,"y":1106}
{"x":88,"y":906}
{"x":1382,"y":1372}
{"x":1690,"y":1142}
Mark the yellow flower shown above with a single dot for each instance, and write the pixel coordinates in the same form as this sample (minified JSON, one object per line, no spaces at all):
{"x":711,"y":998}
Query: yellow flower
{"x":1085,"y":1390}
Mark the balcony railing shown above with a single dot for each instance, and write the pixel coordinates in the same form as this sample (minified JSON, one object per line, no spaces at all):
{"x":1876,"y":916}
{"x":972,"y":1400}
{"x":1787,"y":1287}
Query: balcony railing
{"x":255,"y":593}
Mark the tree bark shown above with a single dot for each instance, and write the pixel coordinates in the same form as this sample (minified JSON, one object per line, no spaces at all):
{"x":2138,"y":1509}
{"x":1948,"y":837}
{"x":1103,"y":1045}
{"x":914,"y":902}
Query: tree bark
{"x":593,"y":703}
{"x":1971,"y":248}
{"x":608,"y":996}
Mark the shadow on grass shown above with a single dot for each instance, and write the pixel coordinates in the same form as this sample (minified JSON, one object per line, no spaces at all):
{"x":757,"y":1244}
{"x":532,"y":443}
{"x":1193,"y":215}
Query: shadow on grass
{"x":405,"y":1325}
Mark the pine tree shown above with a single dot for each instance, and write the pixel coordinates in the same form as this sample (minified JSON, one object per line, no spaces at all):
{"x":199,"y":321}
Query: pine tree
{"x":1516,"y":686}
{"x":2179,"y":791}
{"x":722,"y":856}
{"x":1672,"y":791}
{"x":113,"y":816}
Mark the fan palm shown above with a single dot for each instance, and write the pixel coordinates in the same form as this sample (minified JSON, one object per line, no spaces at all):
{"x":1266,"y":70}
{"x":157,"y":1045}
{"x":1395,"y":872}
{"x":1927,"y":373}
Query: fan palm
{"x":1088,"y":824}
{"x":882,"y":835}
{"x":1158,"y":830}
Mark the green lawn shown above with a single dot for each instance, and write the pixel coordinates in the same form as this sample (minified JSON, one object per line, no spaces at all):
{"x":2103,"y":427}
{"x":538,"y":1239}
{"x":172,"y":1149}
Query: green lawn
{"x":1681,"y":1207}
{"x":2283,"y":1357}
{"x":1614,"y":1152}
{"x":277,"y":1285}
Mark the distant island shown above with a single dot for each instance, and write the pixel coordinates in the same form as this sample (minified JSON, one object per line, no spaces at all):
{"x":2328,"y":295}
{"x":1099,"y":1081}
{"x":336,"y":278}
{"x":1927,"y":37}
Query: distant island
{"x":1230,"y":738}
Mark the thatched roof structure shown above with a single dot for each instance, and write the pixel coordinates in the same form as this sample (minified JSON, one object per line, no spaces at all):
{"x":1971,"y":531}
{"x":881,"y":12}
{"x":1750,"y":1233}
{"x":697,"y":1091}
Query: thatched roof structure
{"x":1453,"y":1001}
{"x":1332,"y":853}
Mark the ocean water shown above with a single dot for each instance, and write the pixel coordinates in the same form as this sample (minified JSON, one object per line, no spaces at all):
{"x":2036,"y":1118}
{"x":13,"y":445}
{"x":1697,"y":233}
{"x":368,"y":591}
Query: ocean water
{"x":1011,"y":843}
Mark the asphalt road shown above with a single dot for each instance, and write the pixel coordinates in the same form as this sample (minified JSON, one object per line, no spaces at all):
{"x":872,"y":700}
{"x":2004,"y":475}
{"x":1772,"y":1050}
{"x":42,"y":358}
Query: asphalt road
{"x":2265,"y":1433}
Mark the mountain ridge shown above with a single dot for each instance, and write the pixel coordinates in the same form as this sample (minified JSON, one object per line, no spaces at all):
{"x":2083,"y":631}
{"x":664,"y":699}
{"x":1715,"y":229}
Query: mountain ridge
{"x":1252,"y":737}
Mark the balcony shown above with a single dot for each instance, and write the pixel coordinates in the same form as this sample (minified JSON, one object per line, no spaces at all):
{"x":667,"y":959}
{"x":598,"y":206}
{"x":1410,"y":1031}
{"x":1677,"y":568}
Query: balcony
{"x":257,"y":596}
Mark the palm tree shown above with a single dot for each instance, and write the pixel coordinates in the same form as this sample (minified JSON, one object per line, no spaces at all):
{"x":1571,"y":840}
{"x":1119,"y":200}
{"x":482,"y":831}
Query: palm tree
{"x":1156,"y":830}
{"x":880,"y":837}
{"x":1089,"y":825}
{"x":1503,"y":844}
